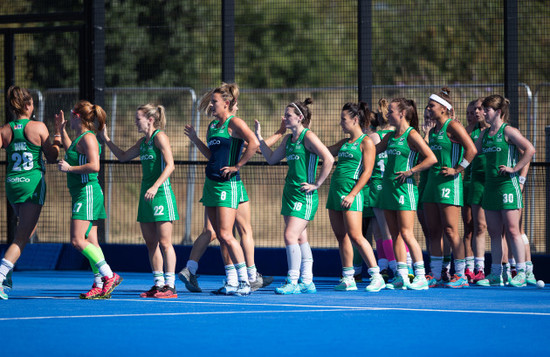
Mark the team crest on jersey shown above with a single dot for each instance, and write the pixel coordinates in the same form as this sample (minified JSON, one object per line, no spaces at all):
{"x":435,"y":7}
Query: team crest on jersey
{"x":499,"y":138}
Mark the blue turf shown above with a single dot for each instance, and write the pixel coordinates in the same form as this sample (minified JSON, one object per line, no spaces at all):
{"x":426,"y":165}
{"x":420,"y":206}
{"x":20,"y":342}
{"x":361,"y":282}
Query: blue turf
{"x":436,"y":322}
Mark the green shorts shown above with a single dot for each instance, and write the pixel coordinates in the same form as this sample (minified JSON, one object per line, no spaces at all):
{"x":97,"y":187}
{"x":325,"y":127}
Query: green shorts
{"x":475,"y":193}
{"x":502,"y":195}
{"x":339,"y":190}
{"x":222,"y":194}
{"x":444,"y":189}
{"x":397,"y":196}
{"x":299,"y":204}
{"x":88,"y":202}
{"x":162,"y":208}
{"x":375,"y":192}
{"x":31,"y":189}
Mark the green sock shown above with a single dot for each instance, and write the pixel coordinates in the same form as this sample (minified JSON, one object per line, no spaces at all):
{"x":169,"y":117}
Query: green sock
{"x":93,"y":253}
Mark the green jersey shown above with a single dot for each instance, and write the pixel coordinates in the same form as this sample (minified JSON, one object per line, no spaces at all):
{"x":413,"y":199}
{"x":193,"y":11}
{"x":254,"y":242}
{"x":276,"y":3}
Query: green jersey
{"x":74,"y":158}
{"x":344,"y":178}
{"x":502,"y":191}
{"x":477,"y":167}
{"x":381,"y":159}
{"x":302,"y":164}
{"x":440,"y":188}
{"x":163,"y":206}
{"x":25,"y":172}
{"x":396,"y":195}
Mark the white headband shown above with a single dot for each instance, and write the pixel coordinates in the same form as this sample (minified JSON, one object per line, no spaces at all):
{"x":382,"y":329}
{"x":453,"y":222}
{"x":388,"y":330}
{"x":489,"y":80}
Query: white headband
{"x":295,"y":106}
{"x":441,"y":101}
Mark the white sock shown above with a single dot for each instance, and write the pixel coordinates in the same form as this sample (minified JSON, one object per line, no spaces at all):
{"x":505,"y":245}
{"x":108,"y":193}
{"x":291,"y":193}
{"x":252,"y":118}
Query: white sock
{"x":158,"y":277}
{"x":306,"y":270}
{"x":104,"y":269}
{"x":170,"y":279}
{"x":436,"y":264}
{"x":528,"y":267}
{"x":252,"y":273}
{"x":98,"y":281}
{"x":241,"y":271}
{"x":521,"y":267}
{"x":5,"y":267}
{"x":419,"y":269}
{"x":193,"y":266}
{"x":294,"y":259}
{"x":479,"y":263}
{"x":470,"y":263}
{"x":460,"y":266}
{"x":348,"y":272}
{"x":231,"y":275}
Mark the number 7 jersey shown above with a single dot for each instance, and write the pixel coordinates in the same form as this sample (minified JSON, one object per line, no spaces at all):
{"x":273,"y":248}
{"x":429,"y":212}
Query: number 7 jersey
{"x":25,"y":173}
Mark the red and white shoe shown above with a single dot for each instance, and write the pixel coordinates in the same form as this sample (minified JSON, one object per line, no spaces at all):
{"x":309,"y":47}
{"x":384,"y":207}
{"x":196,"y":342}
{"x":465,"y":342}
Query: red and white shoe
{"x":109,"y":284}
{"x":94,"y":293}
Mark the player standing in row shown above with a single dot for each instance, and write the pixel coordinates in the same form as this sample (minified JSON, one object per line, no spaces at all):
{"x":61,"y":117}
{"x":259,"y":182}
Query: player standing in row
{"x":443,"y":199}
{"x":356,"y":156}
{"x":399,"y":195}
{"x":474,"y":178}
{"x":157,"y":209}
{"x":24,"y":140}
{"x":302,"y":149}
{"x":502,"y":197}
{"x":188,"y":275}
{"x":223,"y":189}
{"x":81,"y":164}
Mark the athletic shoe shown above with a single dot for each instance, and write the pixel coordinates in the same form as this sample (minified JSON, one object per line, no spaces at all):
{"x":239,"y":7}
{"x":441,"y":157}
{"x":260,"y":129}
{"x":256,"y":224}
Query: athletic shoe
{"x":479,"y":275}
{"x":288,"y":288}
{"x":8,"y":282}
{"x":109,"y":284}
{"x":93,"y":294}
{"x":346,"y":284}
{"x":243,"y":289}
{"x":307,"y":288}
{"x":419,"y":283}
{"x":519,"y":280}
{"x":267,"y":280}
{"x":491,"y":280}
{"x":226,"y":289}
{"x":469,"y":275}
{"x":398,"y":283}
{"x":166,"y":292}
{"x":190,"y":280}
{"x":433,"y":282}
{"x":151,"y":292}
{"x":358,"y":278}
{"x":457,"y":281}
{"x":3,"y":295}
{"x":530,"y":278}
{"x":377,"y":283}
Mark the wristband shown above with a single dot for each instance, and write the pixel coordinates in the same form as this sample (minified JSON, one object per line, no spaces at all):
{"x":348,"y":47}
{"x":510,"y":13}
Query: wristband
{"x":464,"y":163}
{"x":57,"y":135}
{"x":522,"y":180}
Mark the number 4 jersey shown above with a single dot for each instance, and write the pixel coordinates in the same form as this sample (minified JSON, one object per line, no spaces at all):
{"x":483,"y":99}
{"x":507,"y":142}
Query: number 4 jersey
{"x":25,"y":176}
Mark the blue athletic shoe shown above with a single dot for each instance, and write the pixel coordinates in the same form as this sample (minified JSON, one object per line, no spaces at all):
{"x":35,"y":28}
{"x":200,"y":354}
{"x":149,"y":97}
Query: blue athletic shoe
{"x":307,"y":288}
{"x":3,"y":295}
{"x":458,"y":281}
{"x":288,"y":288}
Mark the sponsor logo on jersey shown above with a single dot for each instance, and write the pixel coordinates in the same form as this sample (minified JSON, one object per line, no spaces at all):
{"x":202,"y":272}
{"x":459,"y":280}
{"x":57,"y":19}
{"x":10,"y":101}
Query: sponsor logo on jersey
{"x":20,"y":146}
{"x":436,"y":147}
{"x":345,"y":154}
{"x":292,"y":157}
{"x":18,"y":126}
{"x":492,"y":149}
{"x":214,"y":142}
{"x":379,"y":187}
{"x":146,"y":157}
{"x":382,"y":155}
{"x":18,"y":179}
{"x":393,"y":152}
